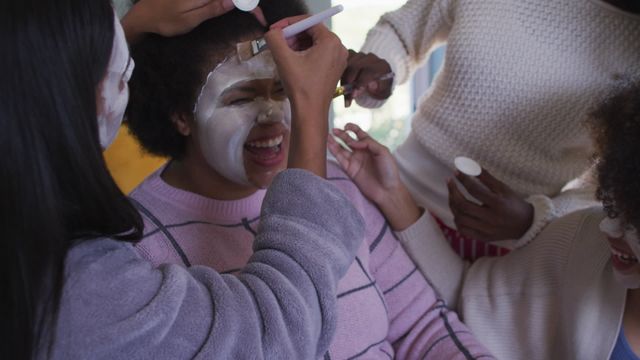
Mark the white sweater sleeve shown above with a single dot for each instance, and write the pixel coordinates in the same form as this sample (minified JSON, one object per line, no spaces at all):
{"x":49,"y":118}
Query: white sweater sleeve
{"x":432,"y":254}
{"x":579,"y":194}
{"x":405,"y":36}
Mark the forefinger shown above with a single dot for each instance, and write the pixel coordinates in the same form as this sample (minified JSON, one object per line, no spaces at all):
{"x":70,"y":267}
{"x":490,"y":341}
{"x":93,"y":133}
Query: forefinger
{"x":476,"y":189}
{"x":283,"y":23}
{"x":202,"y":10}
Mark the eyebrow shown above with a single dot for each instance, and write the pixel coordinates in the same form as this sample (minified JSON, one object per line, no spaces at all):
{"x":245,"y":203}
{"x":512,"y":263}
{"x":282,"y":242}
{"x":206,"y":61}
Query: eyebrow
{"x":247,"y":89}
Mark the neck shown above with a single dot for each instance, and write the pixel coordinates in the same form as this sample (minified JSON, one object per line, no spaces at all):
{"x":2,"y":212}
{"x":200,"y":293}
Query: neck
{"x":632,"y":6}
{"x":194,"y":174}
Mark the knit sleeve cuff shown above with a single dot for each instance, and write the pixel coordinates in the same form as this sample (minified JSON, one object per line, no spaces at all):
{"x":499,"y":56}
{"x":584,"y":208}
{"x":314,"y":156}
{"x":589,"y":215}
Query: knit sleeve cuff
{"x":543,"y":212}
{"x":431,"y":252}
{"x":383,"y":42}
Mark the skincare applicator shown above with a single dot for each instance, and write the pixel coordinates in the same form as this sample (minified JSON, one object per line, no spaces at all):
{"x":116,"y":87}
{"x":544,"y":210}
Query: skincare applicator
{"x":246,"y":5}
{"x":467,"y":166}
{"x":248,"y":49}
{"x":470,"y":168}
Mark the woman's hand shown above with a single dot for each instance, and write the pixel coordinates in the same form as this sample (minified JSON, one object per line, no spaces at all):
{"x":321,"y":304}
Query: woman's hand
{"x":309,"y":65}
{"x":309,"y":77}
{"x":373,"y":169}
{"x":503,"y":215}
{"x":170,"y":17}
{"x":363,"y":72}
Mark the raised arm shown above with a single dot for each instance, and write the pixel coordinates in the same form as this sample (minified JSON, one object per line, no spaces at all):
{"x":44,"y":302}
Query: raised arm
{"x":373,"y":170}
{"x":168,"y":17}
{"x":403,"y":39}
{"x":116,"y":305}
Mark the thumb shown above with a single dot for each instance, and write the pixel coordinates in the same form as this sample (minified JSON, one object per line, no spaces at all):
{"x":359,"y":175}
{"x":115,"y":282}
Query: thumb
{"x":277,"y":43}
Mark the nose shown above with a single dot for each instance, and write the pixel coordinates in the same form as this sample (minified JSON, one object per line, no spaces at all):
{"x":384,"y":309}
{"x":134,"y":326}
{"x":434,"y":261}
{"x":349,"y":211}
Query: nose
{"x":265,"y":116}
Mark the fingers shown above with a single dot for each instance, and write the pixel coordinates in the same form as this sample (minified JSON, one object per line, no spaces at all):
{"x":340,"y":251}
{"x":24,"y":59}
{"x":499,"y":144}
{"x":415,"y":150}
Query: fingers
{"x":350,"y":75}
{"x":259,"y":15}
{"x":341,"y":154}
{"x":202,"y":10}
{"x":277,"y":43}
{"x":283,"y":23}
{"x":374,"y":146}
{"x":351,"y":142}
{"x":467,"y":215}
{"x":364,"y":72}
{"x":492,"y":183}
{"x":476,"y":189}
{"x":361,"y":134}
{"x":461,"y":206}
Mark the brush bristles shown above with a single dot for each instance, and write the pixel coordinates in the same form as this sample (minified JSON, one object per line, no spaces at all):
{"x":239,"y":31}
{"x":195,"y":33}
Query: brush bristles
{"x":248,"y":49}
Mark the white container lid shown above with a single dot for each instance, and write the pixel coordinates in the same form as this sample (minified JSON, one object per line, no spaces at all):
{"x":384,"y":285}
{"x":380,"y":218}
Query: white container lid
{"x":246,"y":5}
{"x":467,"y":166}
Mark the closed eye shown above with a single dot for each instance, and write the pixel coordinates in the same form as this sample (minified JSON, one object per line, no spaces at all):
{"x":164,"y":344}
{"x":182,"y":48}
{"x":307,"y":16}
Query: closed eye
{"x":278,"y":91}
{"x":239,"y":101}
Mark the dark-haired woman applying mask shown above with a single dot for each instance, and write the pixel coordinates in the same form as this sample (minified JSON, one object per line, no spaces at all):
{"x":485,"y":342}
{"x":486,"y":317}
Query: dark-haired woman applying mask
{"x":75,"y":288}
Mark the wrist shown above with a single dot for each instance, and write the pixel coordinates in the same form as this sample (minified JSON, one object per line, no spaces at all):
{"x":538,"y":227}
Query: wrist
{"x":399,"y":208}
{"x":308,"y":142}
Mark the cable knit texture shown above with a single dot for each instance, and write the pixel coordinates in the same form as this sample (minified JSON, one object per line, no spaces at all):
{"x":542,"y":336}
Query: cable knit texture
{"x":519,"y":80}
{"x":385,"y":307}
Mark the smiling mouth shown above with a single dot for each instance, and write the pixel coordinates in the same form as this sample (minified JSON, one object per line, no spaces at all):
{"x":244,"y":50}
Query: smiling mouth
{"x":624,"y":257}
{"x":265,"y":151}
{"x":267,"y":143}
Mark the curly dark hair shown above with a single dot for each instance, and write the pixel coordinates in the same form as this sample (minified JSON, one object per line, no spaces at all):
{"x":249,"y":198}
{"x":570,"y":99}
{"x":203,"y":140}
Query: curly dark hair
{"x":616,"y":130}
{"x":169,"y":72}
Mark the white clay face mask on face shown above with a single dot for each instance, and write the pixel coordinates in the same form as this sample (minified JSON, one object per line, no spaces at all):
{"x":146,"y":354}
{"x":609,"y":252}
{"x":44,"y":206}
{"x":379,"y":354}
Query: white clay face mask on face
{"x":614,"y":229}
{"x":114,"y":92}
{"x":223,"y":129}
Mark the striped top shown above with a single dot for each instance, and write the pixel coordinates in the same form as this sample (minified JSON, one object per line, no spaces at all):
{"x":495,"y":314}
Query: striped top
{"x":386,"y":309}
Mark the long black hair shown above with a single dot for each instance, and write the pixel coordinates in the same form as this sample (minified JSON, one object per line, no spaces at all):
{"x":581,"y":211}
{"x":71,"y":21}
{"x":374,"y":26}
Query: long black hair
{"x":54,"y":186}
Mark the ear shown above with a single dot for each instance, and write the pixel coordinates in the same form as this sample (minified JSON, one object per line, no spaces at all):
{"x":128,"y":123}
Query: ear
{"x":183,"y":123}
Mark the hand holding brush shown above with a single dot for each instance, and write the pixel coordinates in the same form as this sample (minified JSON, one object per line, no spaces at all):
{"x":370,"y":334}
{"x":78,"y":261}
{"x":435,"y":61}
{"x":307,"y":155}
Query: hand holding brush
{"x":248,"y":49}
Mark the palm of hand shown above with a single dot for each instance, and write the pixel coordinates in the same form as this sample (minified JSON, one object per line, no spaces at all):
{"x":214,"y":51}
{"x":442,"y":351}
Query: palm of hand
{"x":374,"y":174}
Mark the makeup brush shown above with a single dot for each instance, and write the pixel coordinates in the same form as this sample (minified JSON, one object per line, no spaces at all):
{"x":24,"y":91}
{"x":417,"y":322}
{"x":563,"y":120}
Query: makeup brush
{"x":348,"y":88}
{"x":248,"y":49}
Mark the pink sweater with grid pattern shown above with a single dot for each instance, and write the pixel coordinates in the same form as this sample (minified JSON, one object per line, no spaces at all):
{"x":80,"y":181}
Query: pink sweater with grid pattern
{"x":386,"y":309}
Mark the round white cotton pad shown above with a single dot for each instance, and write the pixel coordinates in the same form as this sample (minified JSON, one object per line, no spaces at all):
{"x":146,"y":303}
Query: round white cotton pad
{"x":246,"y":5}
{"x":467,"y":166}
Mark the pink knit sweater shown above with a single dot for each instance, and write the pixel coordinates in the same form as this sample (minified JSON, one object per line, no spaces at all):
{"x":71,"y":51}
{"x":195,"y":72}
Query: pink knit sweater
{"x":386,"y":309}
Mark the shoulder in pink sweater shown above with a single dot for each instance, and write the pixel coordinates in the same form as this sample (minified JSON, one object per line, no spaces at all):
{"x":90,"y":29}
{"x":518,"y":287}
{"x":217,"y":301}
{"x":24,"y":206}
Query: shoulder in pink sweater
{"x":386,"y":308}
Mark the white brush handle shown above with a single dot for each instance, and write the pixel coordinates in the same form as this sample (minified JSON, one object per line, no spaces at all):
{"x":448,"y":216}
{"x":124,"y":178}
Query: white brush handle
{"x":302,"y":25}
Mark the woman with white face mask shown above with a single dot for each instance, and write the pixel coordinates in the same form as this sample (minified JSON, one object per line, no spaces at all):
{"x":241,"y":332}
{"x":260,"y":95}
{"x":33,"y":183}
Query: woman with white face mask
{"x":74,"y":287}
{"x":226,"y":126}
{"x":574,"y":291}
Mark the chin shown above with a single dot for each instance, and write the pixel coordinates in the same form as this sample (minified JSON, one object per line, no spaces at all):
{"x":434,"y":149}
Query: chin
{"x":263,"y":179}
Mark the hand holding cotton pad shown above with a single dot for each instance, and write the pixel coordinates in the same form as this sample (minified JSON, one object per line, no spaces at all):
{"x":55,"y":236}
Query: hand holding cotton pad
{"x":470,"y":168}
{"x":467,"y":166}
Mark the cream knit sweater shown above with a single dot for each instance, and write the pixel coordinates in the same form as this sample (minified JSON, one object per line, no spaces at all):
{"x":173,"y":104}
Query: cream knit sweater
{"x":556,"y":298}
{"x":519,"y":79}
